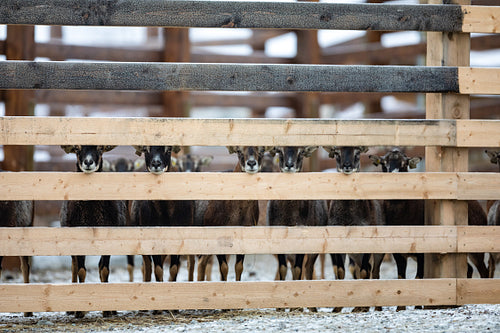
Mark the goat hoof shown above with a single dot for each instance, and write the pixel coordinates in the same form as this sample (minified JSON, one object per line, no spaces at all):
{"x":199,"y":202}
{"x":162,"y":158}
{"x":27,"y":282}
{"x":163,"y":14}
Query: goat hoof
{"x":28,"y":314}
{"x":157,"y":312}
{"x":419,"y":307}
{"x":80,"y":314}
{"x":378,"y":308}
{"x":337,"y":309}
{"x":401,"y":308}
{"x":361,"y":309}
{"x":313,"y":309}
{"x":107,"y":314}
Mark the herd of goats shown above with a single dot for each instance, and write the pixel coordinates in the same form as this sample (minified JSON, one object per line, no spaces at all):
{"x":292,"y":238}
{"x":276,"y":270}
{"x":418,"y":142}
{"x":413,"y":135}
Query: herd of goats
{"x":159,"y":159}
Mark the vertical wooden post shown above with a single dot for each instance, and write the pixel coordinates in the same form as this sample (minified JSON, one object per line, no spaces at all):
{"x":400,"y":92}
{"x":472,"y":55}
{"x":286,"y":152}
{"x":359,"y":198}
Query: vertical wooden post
{"x":447,"y":49}
{"x":19,"y":45}
{"x":176,"y":49}
{"x":308,"y":52}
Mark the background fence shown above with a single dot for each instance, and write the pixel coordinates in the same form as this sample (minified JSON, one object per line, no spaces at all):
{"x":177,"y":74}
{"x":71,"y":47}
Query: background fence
{"x":446,"y":135}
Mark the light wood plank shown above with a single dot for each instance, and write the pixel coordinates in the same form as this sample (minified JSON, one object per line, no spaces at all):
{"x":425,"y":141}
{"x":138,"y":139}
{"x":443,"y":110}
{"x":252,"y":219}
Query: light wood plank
{"x":477,"y":186}
{"x":473,"y":80}
{"x":478,"y":291}
{"x":478,"y":239}
{"x":224,"y":295}
{"x":477,"y":133}
{"x":481,"y":19}
{"x":221,"y":132}
{"x":225,"y":240}
{"x":234,"y":186}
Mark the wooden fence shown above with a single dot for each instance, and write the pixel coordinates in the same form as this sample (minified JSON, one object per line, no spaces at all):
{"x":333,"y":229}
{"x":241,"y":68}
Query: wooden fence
{"x":446,"y":134}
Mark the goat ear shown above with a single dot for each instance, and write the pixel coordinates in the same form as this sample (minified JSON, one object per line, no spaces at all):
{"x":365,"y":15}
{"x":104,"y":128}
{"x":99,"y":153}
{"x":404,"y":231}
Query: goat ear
{"x":309,"y":150}
{"x":330,"y":150}
{"x":363,"y":149}
{"x":273,"y":150}
{"x":232,"y":149}
{"x":412,"y":162}
{"x":206,"y":160}
{"x":139,"y":150}
{"x":139,"y":164}
{"x":69,"y":149}
{"x":493,"y":155}
{"x":106,"y":148}
{"x":176,"y":149}
{"x":376,"y":160}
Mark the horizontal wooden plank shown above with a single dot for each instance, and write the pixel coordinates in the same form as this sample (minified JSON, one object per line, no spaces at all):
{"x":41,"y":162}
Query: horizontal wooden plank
{"x":478,"y":239}
{"x":238,"y":132}
{"x":236,"y":186}
{"x":228,"y":240}
{"x":479,"y":80}
{"x":477,"y":133}
{"x":225,"y":77}
{"x":481,"y":19}
{"x":226,"y":295}
{"x":235,"y":14}
{"x":478,"y":291}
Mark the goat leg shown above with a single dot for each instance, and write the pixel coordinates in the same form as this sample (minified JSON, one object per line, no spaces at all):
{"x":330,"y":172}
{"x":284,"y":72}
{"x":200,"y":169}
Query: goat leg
{"x":104,"y":276}
{"x":25,"y":269}
{"x":190,"y":264}
{"x":174,"y":267}
{"x":223,"y":268}
{"x":81,"y":272}
{"x":338,"y":261}
{"x":297,"y":269}
{"x":146,"y":268}
{"x":282,"y":267}
{"x":130,"y":268}
{"x":158,"y":264}
{"x":478,"y":261}
{"x":202,"y":265}
{"x":491,"y":266}
{"x":238,"y":266}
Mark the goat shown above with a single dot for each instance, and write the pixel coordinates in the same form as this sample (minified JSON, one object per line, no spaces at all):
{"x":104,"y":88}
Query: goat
{"x":354,"y":212}
{"x":91,"y":213}
{"x":160,"y":212}
{"x":411,"y":212}
{"x":493,"y":216}
{"x":18,"y":214}
{"x":125,"y":165}
{"x":402,"y":212}
{"x":192,"y":163}
{"x":233,"y":212}
{"x":295,"y":212}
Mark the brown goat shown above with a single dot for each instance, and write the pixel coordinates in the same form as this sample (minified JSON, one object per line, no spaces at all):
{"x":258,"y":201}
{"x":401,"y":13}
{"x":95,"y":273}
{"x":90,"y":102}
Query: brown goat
{"x":493,"y":216}
{"x":233,"y":212}
{"x":295,"y":212}
{"x":354,"y":212}
{"x":91,"y":213}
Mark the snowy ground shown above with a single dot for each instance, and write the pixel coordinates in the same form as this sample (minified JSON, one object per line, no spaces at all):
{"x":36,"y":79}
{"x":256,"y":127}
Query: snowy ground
{"x":470,"y":318}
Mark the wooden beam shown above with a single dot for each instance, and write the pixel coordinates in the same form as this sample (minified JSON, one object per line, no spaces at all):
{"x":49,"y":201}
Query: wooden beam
{"x":478,"y":291}
{"x":481,"y":19}
{"x":264,"y":186}
{"x":447,"y":49}
{"x":228,"y":295}
{"x":44,"y":241}
{"x":479,"y":80}
{"x":248,"y":14}
{"x":222,"y":132}
{"x":477,"y":239}
{"x":226,"y":77}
